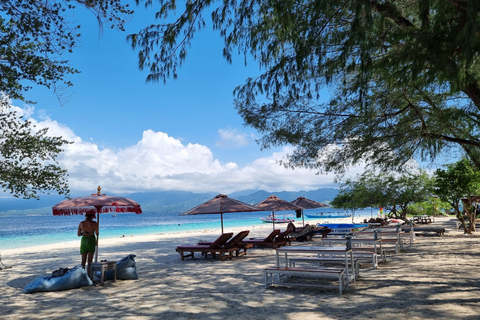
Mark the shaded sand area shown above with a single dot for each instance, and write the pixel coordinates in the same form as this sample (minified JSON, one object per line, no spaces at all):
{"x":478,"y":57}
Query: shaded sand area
{"x":436,"y":278}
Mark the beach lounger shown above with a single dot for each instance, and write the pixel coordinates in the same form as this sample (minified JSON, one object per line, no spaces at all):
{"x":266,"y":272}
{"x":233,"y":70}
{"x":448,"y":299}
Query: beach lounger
{"x":235,"y":242}
{"x":216,"y":247}
{"x":284,"y":238}
{"x":269,"y":241}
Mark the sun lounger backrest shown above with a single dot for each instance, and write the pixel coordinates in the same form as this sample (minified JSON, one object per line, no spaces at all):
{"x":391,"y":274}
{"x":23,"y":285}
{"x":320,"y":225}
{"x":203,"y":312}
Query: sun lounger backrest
{"x":237,"y":239}
{"x":281,"y":236}
{"x":272,"y":235}
{"x":221,"y":240}
{"x":291,"y":227}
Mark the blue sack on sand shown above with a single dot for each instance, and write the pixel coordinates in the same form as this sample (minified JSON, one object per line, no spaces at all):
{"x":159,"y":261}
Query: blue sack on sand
{"x":126,"y":269}
{"x":73,"y":278}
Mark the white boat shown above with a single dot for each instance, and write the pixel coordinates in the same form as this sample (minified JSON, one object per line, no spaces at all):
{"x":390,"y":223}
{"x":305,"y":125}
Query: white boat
{"x":328,"y":215}
{"x":284,"y":219}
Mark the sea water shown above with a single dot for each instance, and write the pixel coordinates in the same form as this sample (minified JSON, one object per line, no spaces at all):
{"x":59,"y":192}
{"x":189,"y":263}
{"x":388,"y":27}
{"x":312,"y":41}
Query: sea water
{"x":25,"y":231}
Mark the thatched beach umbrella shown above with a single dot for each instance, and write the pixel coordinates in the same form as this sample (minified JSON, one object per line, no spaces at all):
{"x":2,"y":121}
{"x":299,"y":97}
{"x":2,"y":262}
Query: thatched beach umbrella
{"x":273,"y":203}
{"x":307,"y":204}
{"x":221,"y":204}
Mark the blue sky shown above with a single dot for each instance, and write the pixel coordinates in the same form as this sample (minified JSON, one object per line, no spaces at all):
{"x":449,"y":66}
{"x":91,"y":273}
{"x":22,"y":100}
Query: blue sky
{"x":133,"y":136}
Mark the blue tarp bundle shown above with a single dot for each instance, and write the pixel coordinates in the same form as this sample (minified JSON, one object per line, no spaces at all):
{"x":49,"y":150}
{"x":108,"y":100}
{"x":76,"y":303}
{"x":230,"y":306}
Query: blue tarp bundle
{"x":77,"y":277}
{"x":126,"y":269}
{"x":74,"y":278}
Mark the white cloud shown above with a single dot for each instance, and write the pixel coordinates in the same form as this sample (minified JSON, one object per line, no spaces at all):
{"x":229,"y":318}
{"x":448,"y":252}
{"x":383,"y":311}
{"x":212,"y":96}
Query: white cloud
{"x":231,"y":138}
{"x":160,"y":162}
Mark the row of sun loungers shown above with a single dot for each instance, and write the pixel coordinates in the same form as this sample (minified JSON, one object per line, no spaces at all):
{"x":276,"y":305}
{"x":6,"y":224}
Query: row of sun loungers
{"x":225,"y":246}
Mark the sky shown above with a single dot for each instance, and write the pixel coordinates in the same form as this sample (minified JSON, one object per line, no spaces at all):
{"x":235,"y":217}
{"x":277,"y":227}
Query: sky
{"x":132,"y":136}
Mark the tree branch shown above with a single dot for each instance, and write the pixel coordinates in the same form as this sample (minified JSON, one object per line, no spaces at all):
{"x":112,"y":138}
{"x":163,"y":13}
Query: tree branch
{"x":391,"y":12}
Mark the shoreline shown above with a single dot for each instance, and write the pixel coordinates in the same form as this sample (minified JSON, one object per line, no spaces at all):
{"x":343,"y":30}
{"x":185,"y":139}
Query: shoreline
{"x":52,"y":241}
{"x":264,"y":229}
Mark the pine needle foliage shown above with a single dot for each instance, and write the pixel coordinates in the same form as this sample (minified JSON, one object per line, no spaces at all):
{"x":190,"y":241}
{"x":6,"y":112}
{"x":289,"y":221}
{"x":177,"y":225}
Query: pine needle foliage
{"x":342,"y":81}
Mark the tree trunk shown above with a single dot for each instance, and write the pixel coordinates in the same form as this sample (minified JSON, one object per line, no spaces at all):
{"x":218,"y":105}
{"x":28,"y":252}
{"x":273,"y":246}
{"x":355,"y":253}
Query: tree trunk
{"x":472,"y":217}
{"x":470,"y":211}
{"x":462,"y":221}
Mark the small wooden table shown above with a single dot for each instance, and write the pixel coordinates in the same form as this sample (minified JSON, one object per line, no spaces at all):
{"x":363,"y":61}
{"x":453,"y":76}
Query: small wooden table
{"x":102,"y":267}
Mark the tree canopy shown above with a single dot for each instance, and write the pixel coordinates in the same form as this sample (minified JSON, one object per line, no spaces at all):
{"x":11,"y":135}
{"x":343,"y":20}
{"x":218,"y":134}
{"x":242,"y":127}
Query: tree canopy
{"x":34,"y":39}
{"x":375,"y":81}
{"x":28,"y":164}
{"x":36,"y":35}
{"x":385,"y":190}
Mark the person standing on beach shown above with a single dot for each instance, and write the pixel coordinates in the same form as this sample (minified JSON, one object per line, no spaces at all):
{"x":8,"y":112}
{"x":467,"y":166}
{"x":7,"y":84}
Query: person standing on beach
{"x":88,"y":230}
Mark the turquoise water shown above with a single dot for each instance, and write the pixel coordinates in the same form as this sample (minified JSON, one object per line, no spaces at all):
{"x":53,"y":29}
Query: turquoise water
{"x":27,"y":231}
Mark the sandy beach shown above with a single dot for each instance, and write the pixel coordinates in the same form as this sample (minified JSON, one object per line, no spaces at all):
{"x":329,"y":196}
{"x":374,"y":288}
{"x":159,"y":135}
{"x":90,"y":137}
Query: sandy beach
{"x":435,"y":278}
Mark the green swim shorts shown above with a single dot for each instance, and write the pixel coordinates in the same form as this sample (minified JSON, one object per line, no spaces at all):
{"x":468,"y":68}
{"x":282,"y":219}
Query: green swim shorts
{"x":87,"y":244}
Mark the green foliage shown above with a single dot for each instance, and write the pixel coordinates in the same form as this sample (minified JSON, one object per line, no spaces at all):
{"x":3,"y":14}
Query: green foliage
{"x":385,"y":190}
{"x":35,"y":36}
{"x":402,"y":76}
{"x":28,"y":162}
{"x":461,"y":180}
{"x":432,"y":207}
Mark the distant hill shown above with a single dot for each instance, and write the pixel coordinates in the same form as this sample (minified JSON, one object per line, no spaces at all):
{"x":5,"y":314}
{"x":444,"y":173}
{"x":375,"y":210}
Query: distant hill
{"x":165,"y":201}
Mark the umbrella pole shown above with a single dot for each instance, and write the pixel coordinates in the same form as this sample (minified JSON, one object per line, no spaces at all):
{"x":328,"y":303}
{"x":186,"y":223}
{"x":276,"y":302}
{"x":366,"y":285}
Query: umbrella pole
{"x":273,"y":219}
{"x":303,"y":219}
{"x":221,"y":219}
{"x":98,"y":223}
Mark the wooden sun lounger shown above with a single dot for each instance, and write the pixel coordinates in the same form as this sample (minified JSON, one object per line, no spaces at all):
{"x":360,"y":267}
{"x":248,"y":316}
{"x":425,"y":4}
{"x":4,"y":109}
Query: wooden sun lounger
{"x":284,"y":237}
{"x":269,"y":241}
{"x":213,"y":249}
{"x":235,"y":242}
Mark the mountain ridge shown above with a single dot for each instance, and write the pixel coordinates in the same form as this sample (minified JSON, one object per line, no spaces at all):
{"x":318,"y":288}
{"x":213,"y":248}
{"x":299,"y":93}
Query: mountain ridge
{"x":165,"y":201}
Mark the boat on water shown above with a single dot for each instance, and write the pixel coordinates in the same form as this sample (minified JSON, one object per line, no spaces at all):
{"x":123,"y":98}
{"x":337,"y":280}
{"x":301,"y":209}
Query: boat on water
{"x":269,"y":219}
{"x":343,"y":227}
{"x":328,"y":215}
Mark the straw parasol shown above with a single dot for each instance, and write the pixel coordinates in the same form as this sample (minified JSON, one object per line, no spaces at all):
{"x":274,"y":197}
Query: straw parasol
{"x":305,"y":203}
{"x":221,"y":204}
{"x":273,"y":203}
